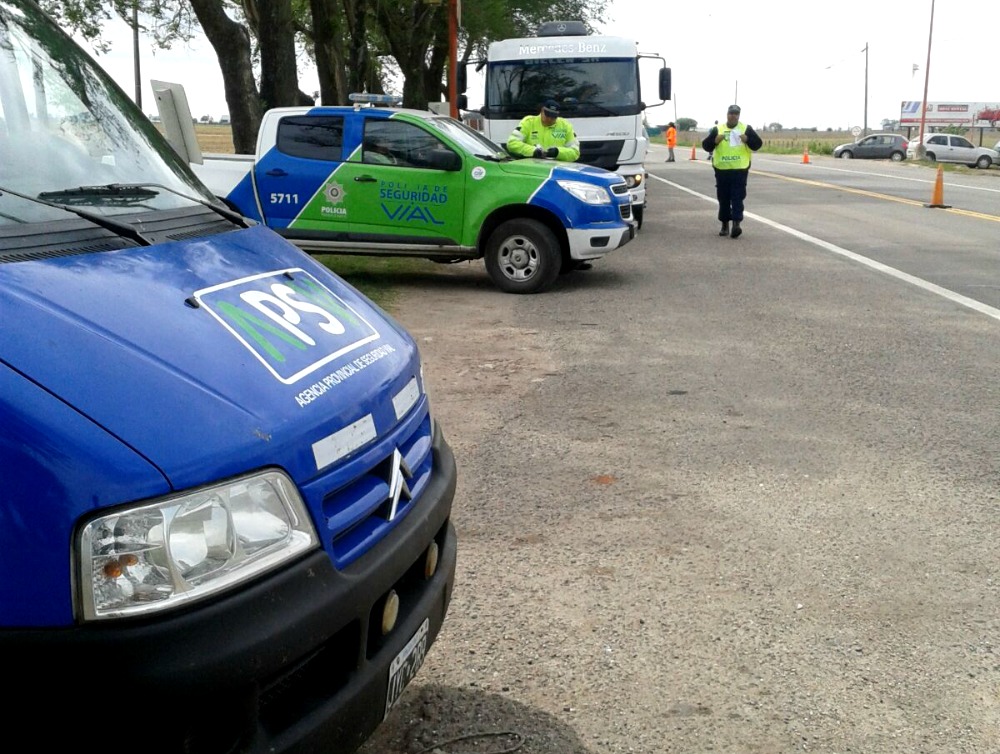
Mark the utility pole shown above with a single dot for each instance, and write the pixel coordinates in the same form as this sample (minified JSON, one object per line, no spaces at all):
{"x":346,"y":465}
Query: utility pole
{"x":453,"y":11}
{"x":135,"y":52}
{"x":865,"y":131}
{"x":921,"y":150}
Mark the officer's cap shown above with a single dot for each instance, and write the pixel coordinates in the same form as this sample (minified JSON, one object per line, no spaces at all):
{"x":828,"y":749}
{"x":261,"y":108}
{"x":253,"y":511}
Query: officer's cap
{"x":734,"y":109}
{"x":551,"y":108}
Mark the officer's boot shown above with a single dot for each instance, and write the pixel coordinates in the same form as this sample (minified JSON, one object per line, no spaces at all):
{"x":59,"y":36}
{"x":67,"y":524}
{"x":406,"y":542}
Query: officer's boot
{"x":725,"y":229}
{"x":737,"y":230}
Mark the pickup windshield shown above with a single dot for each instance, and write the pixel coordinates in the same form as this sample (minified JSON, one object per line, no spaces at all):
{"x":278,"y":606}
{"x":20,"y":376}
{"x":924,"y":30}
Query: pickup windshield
{"x":65,"y":124}
{"x":469,"y":138}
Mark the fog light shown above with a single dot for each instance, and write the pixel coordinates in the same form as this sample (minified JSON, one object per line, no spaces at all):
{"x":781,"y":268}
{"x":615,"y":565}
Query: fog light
{"x":431,"y":561}
{"x":390,"y":612}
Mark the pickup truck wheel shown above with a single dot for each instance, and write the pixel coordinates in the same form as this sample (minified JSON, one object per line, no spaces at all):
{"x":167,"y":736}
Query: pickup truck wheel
{"x":637,"y":216}
{"x":522,"y":256}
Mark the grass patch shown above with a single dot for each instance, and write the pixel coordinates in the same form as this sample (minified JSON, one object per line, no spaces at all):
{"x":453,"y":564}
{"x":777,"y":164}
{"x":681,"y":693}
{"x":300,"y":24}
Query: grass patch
{"x":376,"y":277}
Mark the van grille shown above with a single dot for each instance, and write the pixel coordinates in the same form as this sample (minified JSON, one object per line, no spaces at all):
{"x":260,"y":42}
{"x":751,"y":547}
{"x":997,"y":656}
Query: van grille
{"x":360,"y":512}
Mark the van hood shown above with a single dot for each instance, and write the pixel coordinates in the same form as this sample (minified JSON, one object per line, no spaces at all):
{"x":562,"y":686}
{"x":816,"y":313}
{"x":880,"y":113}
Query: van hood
{"x":208,"y":357}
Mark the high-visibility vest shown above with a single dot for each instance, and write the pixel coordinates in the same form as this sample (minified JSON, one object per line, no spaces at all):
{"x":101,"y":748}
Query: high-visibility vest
{"x":725,"y":157}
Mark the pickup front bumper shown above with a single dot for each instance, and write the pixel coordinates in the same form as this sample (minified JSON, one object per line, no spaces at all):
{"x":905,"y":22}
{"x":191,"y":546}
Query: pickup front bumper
{"x":595,"y":243}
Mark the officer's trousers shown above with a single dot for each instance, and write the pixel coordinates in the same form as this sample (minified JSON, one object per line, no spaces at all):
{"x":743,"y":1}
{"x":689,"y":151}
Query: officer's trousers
{"x":731,"y":190}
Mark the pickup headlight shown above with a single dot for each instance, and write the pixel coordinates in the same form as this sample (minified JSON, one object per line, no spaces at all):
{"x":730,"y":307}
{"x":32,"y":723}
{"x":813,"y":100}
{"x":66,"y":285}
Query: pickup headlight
{"x":585,"y":192}
{"x":167,"y":553}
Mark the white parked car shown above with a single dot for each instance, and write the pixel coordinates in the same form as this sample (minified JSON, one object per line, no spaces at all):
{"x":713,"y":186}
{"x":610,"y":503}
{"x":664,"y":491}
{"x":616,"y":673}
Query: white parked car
{"x":952,"y":148}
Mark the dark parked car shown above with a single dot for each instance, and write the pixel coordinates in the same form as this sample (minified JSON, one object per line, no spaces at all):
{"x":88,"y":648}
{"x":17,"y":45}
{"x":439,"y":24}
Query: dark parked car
{"x":874,"y":147}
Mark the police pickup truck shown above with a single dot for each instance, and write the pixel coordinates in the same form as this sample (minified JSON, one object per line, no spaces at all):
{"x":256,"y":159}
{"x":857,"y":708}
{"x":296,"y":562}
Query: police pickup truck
{"x":395,"y":182}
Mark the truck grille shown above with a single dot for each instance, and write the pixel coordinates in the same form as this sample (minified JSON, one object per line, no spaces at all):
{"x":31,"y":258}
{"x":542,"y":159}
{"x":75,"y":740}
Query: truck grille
{"x":385,"y":484}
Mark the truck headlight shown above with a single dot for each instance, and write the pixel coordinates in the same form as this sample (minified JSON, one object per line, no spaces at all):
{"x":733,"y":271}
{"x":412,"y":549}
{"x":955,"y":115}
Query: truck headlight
{"x":167,"y":553}
{"x":585,"y":192}
{"x":634,"y":180}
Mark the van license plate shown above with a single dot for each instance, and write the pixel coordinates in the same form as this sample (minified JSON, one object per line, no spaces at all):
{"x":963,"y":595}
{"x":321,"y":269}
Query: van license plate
{"x":406,"y":665}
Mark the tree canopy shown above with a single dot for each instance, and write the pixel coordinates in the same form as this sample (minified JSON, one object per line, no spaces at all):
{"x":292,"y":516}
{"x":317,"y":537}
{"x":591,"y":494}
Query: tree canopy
{"x":357,"y":45}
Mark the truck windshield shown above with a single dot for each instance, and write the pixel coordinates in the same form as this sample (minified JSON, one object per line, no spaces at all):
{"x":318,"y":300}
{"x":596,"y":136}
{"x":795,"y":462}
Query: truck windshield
{"x":65,"y":124}
{"x":585,"y":87}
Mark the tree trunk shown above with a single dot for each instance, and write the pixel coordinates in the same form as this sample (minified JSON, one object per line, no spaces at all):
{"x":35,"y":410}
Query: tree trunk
{"x":279,"y":86}
{"x":327,"y":31}
{"x":410,"y":32}
{"x":231,"y":43}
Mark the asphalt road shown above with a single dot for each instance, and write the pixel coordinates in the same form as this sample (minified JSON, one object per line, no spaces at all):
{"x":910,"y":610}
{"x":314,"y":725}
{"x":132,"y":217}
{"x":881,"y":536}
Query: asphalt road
{"x":727,"y":495}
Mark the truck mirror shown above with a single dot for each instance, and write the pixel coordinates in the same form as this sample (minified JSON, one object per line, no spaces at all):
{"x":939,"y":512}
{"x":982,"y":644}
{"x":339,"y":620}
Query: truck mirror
{"x":664,"y":83}
{"x":463,"y":102}
{"x":461,"y":78}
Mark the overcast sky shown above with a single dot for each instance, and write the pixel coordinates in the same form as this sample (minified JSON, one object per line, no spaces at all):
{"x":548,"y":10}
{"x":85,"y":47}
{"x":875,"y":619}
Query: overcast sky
{"x":798,"y":64}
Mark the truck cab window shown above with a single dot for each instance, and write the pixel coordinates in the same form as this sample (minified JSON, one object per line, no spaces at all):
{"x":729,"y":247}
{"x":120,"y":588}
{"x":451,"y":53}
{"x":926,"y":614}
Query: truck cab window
{"x":312,"y":137}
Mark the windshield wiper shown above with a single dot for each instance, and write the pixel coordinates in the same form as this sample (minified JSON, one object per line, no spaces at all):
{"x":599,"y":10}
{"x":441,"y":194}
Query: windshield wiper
{"x":122,"y":229}
{"x":127,"y":193}
{"x":118,"y":192}
{"x":495,"y":157}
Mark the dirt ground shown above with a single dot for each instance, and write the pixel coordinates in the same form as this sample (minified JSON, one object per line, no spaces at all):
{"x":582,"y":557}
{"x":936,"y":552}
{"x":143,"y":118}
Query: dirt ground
{"x":748,"y":533}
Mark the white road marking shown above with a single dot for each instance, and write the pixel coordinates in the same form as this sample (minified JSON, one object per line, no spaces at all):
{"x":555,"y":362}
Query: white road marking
{"x":957,"y":298}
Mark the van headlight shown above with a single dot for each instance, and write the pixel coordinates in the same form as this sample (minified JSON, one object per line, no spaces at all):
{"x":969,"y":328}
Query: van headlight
{"x":169,"y":552}
{"x":585,"y":192}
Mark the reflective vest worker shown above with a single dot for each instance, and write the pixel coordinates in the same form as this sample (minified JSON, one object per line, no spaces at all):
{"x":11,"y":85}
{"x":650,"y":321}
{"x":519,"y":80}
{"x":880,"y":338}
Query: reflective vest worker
{"x":671,"y":141}
{"x":545,"y":135}
{"x":730,"y":146}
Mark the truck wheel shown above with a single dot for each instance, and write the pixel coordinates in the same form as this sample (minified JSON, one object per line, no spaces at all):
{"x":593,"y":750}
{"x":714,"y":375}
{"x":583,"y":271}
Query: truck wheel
{"x":522,"y":256}
{"x":637,"y":213}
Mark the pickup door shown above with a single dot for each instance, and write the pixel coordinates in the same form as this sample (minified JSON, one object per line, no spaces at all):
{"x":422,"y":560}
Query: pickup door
{"x":401,"y":183}
{"x":292,"y":177}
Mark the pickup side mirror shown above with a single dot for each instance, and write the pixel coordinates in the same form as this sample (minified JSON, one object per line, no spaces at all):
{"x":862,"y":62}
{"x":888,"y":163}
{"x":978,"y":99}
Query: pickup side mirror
{"x":440,"y":159}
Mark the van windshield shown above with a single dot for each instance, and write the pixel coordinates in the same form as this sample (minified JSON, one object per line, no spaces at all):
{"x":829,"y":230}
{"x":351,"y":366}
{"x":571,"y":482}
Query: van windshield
{"x":65,"y":124}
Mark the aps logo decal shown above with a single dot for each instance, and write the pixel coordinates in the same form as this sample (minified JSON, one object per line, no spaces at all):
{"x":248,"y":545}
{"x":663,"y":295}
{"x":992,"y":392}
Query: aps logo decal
{"x":289,"y":321}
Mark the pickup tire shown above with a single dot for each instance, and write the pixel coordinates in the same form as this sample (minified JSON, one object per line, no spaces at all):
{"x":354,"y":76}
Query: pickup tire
{"x":523,"y":256}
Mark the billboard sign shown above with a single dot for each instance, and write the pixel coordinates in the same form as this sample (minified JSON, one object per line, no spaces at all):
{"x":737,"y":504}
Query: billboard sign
{"x":968,"y":114}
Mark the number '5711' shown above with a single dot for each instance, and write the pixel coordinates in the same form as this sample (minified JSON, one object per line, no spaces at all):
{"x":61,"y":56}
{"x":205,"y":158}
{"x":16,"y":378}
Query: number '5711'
{"x":284,"y":198}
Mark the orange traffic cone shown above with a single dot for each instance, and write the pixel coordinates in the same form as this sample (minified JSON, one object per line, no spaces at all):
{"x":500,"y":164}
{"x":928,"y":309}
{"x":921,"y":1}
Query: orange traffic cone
{"x":805,"y":155}
{"x":937,"y":198}
{"x":693,"y":155}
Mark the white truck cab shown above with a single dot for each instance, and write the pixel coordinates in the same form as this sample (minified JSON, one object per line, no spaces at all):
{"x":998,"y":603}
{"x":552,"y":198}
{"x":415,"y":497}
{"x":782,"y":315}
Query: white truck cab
{"x":596,"y":81}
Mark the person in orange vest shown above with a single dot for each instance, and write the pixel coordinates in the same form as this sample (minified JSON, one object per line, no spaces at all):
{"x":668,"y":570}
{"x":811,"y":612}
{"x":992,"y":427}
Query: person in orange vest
{"x":730,"y":146}
{"x":671,"y":140}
